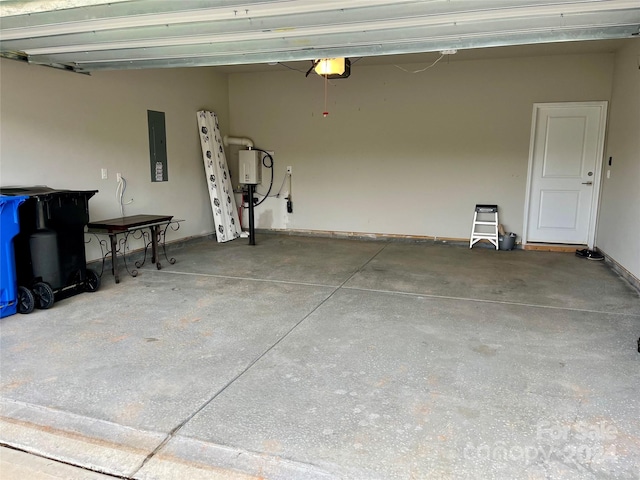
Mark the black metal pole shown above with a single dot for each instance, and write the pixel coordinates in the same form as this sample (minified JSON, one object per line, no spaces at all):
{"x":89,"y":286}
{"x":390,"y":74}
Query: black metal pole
{"x":252,"y":231}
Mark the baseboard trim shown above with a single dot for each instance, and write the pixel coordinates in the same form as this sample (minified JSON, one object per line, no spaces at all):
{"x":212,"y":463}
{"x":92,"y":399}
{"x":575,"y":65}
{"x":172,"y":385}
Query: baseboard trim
{"x":630,"y":278}
{"x":552,"y":247}
{"x":361,"y":235}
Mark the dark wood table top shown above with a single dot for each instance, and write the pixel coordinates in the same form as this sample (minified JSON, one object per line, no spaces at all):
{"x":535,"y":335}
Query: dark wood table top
{"x":121,"y":224}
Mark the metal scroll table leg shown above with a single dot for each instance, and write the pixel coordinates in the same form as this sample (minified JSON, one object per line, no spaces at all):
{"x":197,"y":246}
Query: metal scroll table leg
{"x":154,"y":246}
{"x":114,"y":256}
{"x":162,"y":238}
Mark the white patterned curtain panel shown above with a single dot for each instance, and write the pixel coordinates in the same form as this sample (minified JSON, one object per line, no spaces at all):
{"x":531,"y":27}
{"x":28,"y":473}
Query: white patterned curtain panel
{"x":223,"y":203}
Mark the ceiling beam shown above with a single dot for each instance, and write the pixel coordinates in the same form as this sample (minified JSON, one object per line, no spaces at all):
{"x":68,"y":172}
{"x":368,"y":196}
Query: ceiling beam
{"x":145,"y":33}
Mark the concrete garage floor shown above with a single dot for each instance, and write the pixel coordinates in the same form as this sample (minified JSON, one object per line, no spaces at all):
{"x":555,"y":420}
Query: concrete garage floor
{"x":315,"y":358}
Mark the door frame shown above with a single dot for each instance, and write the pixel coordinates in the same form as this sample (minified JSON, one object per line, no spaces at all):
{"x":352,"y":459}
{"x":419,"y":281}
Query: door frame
{"x":595,"y":199}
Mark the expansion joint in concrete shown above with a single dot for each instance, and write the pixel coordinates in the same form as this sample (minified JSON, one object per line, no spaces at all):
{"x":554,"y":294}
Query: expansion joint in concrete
{"x":176,"y":429}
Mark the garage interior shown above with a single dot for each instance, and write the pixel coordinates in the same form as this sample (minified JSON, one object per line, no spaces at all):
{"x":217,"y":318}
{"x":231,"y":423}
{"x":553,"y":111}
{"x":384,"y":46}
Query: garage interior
{"x":360,"y":337}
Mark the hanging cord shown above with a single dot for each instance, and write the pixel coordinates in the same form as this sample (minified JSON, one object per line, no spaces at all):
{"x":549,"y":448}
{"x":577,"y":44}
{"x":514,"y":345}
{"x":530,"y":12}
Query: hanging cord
{"x":284,"y":179}
{"x":120,"y":189}
{"x":422,"y":69}
{"x":269,"y":166}
{"x":326,"y":82}
{"x":292,"y":68}
{"x":277,"y":195}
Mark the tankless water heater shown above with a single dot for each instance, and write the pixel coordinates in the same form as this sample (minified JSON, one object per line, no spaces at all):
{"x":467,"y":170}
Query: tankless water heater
{"x":250,"y":167}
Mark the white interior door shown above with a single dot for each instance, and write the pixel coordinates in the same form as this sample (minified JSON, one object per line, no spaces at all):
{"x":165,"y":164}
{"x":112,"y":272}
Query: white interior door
{"x":565,"y":160}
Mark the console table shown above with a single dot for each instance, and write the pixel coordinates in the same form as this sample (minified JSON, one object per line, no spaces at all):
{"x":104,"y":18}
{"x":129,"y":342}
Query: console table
{"x":128,"y":225}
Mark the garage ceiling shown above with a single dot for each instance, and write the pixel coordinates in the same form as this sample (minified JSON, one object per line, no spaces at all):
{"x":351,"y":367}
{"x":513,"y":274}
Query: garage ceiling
{"x":93,"y":35}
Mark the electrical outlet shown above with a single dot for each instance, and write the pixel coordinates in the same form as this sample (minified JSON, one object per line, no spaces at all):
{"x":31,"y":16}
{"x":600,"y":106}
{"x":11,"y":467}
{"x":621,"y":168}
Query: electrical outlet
{"x":104,"y":174}
{"x":118,"y":176}
{"x":289,"y":169}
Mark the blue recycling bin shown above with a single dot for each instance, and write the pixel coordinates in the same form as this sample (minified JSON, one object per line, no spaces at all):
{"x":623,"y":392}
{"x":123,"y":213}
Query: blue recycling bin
{"x":9,"y":228}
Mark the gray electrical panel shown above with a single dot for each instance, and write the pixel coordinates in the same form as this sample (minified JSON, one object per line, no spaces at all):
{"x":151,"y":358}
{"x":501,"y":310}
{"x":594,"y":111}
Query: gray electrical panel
{"x":157,"y":146}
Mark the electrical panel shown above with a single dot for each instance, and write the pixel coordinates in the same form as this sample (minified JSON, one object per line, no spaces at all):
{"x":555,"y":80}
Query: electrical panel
{"x":157,"y":146}
{"x":250,"y":167}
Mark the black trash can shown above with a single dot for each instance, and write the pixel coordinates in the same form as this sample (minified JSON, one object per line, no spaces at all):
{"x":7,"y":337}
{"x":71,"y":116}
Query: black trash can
{"x":49,"y":249}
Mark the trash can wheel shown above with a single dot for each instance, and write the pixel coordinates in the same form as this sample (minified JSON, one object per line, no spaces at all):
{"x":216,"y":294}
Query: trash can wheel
{"x":92,"y":282}
{"x":44,"y":295}
{"x":26,"y":300}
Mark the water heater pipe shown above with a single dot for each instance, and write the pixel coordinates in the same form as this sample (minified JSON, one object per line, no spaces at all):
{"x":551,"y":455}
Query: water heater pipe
{"x":242,"y":141}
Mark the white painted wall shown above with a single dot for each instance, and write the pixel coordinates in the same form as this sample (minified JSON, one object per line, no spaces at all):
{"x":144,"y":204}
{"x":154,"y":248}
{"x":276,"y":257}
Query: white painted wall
{"x":405,"y":153}
{"x":619,"y":220}
{"x":59,"y":129}
{"x":398,"y":153}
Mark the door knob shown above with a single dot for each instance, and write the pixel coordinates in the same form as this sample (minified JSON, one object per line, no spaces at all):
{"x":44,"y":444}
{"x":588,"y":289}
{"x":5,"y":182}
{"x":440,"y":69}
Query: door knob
{"x":587,"y":183}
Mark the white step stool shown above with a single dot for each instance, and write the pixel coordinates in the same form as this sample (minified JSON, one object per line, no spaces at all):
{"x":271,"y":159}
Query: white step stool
{"x":488,"y":224}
